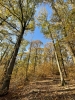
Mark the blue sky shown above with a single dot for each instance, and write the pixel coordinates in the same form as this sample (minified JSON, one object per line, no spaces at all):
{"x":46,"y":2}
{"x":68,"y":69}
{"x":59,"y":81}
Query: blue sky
{"x":37,"y":35}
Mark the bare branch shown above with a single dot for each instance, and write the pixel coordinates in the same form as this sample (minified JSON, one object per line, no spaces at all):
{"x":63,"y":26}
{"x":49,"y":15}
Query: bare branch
{"x":10,"y":24}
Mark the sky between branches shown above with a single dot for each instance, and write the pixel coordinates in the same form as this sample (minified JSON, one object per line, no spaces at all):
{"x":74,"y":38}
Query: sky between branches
{"x":37,"y":35}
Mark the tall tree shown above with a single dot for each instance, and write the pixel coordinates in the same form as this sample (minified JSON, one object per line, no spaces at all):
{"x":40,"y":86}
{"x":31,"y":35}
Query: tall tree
{"x":48,"y":29}
{"x":19,"y":14}
{"x":63,"y":14}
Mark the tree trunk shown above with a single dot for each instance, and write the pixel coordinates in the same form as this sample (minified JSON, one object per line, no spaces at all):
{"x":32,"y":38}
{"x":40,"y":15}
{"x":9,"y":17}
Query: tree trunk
{"x":26,"y":79}
{"x":35,"y":62}
{"x":60,"y":71}
{"x":61,"y":59}
{"x":69,"y":48}
{"x":5,"y":69}
{"x":5,"y":86}
{"x":57,"y":60}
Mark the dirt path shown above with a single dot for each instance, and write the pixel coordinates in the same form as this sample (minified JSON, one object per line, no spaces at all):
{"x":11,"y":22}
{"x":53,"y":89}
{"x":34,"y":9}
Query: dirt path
{"x":48,"y":89}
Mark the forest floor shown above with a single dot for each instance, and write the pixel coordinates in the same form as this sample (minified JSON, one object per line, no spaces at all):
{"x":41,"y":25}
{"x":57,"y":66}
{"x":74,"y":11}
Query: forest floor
{"x":45,"y":89}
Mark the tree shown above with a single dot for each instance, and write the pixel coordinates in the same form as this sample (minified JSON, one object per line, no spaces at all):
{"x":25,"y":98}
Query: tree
{"x":36,"y":45}
{"x":63,"y":18}
{"x":19,"y":14}
{"x":49,"y":31}
{"x":64,"y":12}
{"x":49,"y":50}
{"x":28,"y":59}
{"x":57,"y":60}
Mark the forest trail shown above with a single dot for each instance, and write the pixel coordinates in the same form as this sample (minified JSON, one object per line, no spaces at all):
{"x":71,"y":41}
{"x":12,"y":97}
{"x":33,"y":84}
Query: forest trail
{"x":47,"y":89}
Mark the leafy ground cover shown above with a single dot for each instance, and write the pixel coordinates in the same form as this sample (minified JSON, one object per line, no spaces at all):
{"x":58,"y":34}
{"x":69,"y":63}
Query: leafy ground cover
{"x":48,"y":88}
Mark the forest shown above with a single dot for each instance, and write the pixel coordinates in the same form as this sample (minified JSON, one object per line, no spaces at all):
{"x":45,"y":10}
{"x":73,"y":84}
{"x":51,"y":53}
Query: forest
{"x":31,"y":70}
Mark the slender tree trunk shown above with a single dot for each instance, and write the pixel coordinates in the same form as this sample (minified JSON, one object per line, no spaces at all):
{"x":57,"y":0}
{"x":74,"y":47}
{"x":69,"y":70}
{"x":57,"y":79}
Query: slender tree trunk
{"x":35,"y":62}
{"x":40,"y":57}
{"x":60,"y":71}
{"x":61,"y":60}
{"x":57,"y":60}
{"x":59,"y":68}
{"x":72,"y":52}
{"x":26,"y":79}
{"x":5,"y":86}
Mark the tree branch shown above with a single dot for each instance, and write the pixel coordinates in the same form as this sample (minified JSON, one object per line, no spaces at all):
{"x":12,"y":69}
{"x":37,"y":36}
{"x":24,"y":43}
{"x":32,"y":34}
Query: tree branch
{"x":20,"y":4}
{"x":52,"y":4}
{"x":11,"y":12}
{"x":3,"y":20}
{"x":10,"y":24}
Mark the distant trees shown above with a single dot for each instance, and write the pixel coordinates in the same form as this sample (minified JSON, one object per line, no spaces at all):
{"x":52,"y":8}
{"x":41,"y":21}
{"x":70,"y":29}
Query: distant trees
{"x":32,"y":55}
{"x":35,"y":46}
{"x":49,"y":51}
{"x":28,"y":60}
